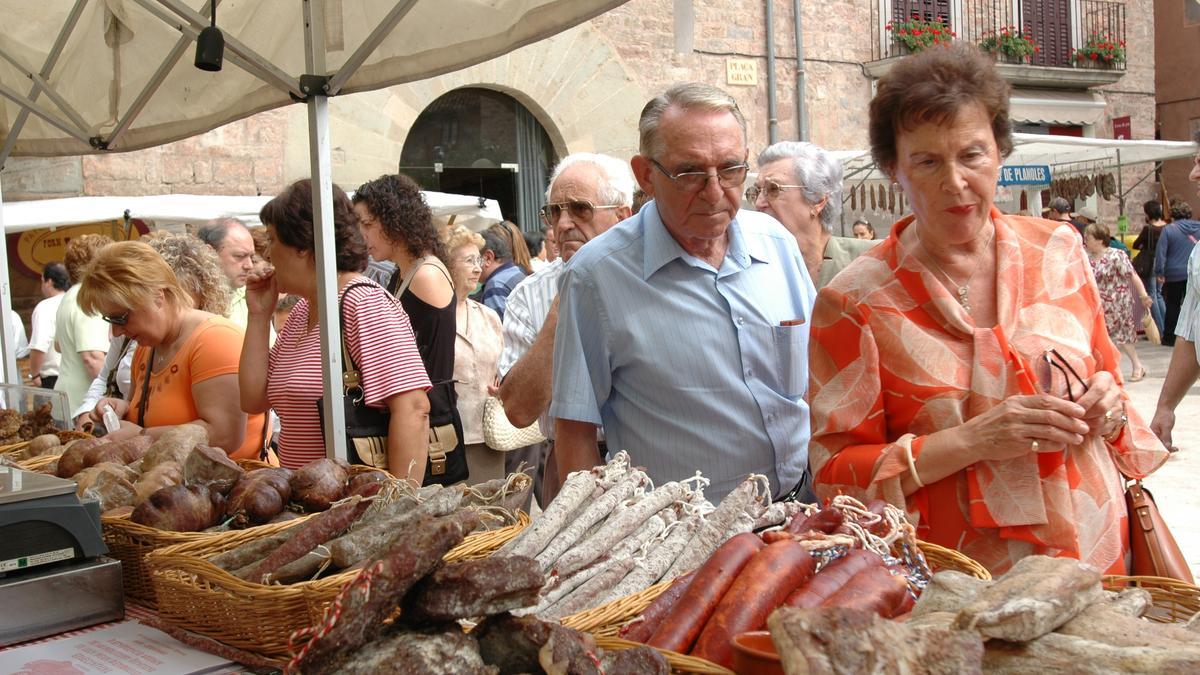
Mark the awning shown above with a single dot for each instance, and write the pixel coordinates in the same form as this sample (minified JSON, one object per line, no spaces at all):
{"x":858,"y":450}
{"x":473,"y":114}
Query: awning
{"x":1068,"y":108}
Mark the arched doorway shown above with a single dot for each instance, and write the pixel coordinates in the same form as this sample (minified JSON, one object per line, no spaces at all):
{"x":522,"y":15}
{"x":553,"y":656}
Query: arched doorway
{"x":476,"y":141}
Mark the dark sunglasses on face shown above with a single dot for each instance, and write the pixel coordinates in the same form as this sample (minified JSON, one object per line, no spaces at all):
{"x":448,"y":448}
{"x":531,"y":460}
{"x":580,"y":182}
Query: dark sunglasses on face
{"x":771,"y":188}
{"x":694,"y":181}
{"x":577,"y":209}
{"x":116,"y":319}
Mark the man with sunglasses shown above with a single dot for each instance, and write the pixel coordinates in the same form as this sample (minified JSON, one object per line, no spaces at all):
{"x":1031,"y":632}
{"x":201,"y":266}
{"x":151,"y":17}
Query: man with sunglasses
{"x":683,"y":331}
{"x":588,"y":194}
{"x":1184,"y":369}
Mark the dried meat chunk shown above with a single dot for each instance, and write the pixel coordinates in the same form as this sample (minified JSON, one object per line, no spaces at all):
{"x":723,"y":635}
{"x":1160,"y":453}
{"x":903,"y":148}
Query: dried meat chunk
{"x":842,"y":640}
{"x":511,"y":643}
{"x":474,"y":588}
{"x":436,"y":651}
{"x":634,"y":661}
{"x":1036,"y":596}
{"x":1058,"y":653}
{"x":569,"y":652}
{"x":206,"y":465}
{"x":948,"y":591}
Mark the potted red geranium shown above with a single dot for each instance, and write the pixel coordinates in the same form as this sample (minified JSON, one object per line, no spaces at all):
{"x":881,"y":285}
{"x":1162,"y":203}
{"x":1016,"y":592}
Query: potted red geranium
{"x":1100,"y":50}
{"x":914,"y":34}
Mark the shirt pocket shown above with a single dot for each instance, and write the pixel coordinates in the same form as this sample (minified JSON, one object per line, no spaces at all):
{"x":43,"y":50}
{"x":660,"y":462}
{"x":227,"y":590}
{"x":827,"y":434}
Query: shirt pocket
{"x":784,"y":358}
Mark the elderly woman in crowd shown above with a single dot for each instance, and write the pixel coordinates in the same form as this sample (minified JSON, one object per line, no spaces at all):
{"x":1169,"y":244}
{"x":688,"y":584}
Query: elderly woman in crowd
{"x":1117,"y":282}
{"x":185,"y":368}
{"x":480,"y":339}
{"x":961,"y":368}
{"x":800,"y":185}
{"x":375,"y":331}
{"x":199,"y":273}
{"x":398,"y":226}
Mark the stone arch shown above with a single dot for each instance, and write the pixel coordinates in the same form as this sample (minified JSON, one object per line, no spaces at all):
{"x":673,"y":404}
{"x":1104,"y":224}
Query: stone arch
{"x":588,"y":101}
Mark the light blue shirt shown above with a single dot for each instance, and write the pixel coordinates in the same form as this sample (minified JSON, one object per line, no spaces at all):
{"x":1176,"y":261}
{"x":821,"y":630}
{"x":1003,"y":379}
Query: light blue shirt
{"x":688,"y":367}
{"x":1188,"y":325}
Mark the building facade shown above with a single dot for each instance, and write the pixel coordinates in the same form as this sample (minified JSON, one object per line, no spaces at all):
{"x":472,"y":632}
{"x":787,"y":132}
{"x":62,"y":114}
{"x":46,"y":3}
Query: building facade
{"x":498,"y":127}
{"x":1177,"y":41}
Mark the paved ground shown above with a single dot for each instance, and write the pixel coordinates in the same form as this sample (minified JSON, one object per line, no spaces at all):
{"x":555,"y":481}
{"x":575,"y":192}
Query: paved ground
{"x":1176,"y":486}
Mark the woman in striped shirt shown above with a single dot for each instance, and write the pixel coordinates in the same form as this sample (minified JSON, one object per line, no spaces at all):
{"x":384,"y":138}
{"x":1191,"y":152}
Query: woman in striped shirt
{"x":287,"y":377}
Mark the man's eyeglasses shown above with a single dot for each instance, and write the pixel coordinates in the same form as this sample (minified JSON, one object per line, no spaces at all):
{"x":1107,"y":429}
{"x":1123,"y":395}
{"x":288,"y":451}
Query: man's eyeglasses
{"x":578,"y":209}
{"x":771,"y":188}
{"x":1051,"y":369}
{"x":116,"y":319}
{"x":694,"y":181}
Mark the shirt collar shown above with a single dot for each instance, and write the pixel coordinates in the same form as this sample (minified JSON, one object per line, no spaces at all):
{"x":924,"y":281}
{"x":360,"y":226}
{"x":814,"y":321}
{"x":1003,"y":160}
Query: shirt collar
{"x":661,"y":248}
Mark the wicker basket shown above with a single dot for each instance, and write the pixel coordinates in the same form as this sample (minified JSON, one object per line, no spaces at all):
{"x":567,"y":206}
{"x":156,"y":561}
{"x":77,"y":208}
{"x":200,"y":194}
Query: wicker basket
{"x":64,"y":437}
{"x":196,"y":596}
{"x":38,"y":463}
{"x":941,"y":558}
{"x":1174,"y":601}
{"x":680,"y":663}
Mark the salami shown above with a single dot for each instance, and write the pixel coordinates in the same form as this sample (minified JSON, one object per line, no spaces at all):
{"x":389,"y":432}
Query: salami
{"x":832,"y":577}
{"x":575,"y":491}
{"x":641,"y":628}
{"x":306,"y":536}
{"x":591,"y":514}
{"x":716,"y":528}
{"x":619,"y":527}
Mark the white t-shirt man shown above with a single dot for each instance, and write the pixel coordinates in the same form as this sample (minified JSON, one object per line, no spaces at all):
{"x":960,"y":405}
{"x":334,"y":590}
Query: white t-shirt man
{"x":41,"y":333}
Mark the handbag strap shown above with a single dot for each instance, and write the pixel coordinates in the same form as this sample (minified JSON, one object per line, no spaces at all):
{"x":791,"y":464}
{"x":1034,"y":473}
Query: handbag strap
{"x":351,"y":378}
{"x":145,"y":402}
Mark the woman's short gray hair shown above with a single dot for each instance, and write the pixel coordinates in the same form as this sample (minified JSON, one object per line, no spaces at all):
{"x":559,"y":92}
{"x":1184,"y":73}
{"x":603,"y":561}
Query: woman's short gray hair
{"x":688,"y":96}
{"x":616,"y":178}
{"x":819,"y":172}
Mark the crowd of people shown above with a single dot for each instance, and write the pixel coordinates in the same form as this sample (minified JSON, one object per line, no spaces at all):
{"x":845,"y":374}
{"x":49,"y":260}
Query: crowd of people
{"x":967,"y":367}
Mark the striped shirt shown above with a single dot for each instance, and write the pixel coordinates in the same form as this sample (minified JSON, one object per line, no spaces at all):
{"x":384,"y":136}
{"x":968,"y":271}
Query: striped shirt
{"x":528,"y":305}
{"x":386,"y":357}
{"x":689,"y":367}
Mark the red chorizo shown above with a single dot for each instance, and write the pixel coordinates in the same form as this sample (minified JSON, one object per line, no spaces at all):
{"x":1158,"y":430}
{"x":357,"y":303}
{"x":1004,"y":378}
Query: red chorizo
{"x":873,"y":589}
{"x":650,"y":619}
{"x":763,"y":584}
{"x":682,"y":625}
{"x":825,"y":520}
{"x":833,"y":577}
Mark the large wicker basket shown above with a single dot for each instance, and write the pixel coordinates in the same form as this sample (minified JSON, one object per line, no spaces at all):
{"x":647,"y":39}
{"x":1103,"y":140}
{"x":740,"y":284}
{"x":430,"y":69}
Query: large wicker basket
{"x":1174,"y":601}
{"x":64,"y":437}
{"x":196,"y":596}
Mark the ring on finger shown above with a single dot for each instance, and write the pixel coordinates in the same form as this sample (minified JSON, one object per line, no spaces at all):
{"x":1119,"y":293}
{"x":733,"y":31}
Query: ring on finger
{"x":1108,"y":415}
{"x":1033,"y":447}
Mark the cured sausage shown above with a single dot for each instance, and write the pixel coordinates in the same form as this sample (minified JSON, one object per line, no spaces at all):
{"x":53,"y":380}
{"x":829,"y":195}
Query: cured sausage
{"x":825,"y":520}
{"x":683,"y":624}
{"x":832,"y":577}
{"x":762,"y":586}
{"x":874,"y":589}
{"x":641,"y":629}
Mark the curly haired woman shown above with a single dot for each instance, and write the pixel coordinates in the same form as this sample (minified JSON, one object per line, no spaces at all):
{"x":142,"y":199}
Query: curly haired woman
{"x":398,"y":226}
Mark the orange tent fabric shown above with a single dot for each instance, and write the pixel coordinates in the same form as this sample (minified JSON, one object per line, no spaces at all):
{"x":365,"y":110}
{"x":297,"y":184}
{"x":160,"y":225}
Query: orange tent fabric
{"x":894,"y":357}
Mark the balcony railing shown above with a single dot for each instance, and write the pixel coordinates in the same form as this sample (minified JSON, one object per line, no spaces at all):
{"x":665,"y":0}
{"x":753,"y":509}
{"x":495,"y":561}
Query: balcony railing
{"x":1059,"y":27}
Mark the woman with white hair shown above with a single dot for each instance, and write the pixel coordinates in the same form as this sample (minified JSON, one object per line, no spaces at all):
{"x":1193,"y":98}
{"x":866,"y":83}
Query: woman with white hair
{"x":800,"y":185}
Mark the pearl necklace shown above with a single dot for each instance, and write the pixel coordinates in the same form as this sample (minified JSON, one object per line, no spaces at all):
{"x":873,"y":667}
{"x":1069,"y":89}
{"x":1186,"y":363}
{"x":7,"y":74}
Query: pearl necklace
{"x":962,"y":290}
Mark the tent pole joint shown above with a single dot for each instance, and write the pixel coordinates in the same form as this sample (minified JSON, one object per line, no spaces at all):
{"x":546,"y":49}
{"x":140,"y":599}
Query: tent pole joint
{"x":98,"y":143}
{"x":313,"y":85}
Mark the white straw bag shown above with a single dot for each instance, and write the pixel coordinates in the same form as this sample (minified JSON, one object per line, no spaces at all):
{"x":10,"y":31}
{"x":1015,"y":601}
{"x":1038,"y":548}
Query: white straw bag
{"x":500,"y":434}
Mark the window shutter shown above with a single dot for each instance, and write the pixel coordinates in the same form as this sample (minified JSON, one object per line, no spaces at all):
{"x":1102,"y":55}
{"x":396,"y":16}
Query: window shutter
{"x":1049,"y":23}
{"x":925,"y":9}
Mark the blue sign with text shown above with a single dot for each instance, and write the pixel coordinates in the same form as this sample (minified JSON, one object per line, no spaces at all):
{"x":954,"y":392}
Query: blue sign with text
{"x":1033,"y":174}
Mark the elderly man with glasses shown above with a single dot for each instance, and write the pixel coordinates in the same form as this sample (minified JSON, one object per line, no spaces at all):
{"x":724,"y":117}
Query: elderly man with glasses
{"x":800,"y":185}
{"x":588,"y":194}
{"x":684,"y":330}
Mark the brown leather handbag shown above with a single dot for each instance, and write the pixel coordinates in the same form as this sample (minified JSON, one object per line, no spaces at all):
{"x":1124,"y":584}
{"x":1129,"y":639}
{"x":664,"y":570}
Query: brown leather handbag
{"x":1155,"y":552}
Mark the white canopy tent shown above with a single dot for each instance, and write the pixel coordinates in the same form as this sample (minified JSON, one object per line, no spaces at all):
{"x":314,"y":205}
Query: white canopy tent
{"x":196,"y":209}
{"x":109,"y":75}
{"x":1058,"y":152}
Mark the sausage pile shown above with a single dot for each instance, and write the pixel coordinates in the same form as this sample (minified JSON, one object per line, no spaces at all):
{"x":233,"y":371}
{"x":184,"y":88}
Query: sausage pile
{"x":816,"y":559}
{"x":361,"y":634}
{"x":610,"y":533}
{"x":1044,"y":615}
{"x":362,"y":523}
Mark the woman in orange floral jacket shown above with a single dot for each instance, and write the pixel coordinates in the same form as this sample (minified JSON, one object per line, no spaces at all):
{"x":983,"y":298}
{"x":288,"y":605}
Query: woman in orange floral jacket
{"x":962,"y":367}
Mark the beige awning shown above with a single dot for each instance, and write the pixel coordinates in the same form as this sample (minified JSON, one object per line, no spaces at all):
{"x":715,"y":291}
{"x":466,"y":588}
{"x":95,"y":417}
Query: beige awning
{"x":1036,"y":106}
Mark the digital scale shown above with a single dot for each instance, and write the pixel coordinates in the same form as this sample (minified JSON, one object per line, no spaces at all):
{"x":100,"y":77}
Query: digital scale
{"x":53,"y":573}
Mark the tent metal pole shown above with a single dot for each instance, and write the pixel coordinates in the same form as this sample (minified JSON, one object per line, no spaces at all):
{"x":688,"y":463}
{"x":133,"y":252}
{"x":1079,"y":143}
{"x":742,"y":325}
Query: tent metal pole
{"x":11,"y":374}
{"x":326,"y":254}
{"x":139,"y":103}
{"x":266,"y":71}
{"x":44,"y":86}
{"x":42,"y":112}
{"x":64,"y":33}
{"x":382,"y":30}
